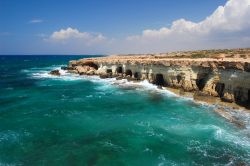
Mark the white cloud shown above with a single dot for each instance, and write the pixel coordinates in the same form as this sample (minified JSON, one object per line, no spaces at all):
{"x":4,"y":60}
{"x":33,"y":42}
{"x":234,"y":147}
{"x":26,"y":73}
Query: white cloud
{"x":70,"y":34}
{"x":73,"y":41}
{"x":35,"y":21}
{"x":225,"y":27}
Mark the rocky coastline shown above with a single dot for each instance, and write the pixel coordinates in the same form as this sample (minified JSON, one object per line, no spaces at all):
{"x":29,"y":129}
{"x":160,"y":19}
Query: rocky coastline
{"x":212,"y":76}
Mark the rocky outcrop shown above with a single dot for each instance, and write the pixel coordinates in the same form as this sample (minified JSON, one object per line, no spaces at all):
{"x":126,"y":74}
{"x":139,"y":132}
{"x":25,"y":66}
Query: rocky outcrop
{"x":227,"y":78}
{"x":55,"y":72}
{"x":88,"y":70}
{"x":64,"y":68}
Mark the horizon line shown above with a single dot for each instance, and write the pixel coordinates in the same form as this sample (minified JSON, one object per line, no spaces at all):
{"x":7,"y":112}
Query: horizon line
{"x":53,"y":55}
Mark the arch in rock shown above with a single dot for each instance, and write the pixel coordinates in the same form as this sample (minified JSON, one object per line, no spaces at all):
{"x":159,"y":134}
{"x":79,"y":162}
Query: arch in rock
{"x":128,"y":72}
{"x":119,"y":70}
{"x":159,"y":80}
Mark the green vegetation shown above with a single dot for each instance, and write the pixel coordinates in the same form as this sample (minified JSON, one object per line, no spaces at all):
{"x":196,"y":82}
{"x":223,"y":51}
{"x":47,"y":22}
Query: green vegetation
{"x":198,"y":55}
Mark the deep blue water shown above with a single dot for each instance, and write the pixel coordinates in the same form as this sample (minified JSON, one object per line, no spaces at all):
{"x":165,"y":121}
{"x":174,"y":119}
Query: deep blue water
{"x":80,"y":120}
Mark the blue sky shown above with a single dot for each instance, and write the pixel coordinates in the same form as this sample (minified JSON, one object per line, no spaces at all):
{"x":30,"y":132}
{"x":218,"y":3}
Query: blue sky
{"x":107,"y":26}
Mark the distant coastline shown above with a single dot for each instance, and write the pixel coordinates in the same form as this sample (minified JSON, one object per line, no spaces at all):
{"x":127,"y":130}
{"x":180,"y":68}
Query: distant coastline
{"x":95,"y":55}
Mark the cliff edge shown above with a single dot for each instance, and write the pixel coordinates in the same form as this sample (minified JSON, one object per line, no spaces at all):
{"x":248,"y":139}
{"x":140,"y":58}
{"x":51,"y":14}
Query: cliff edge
{"x":219,"y":73}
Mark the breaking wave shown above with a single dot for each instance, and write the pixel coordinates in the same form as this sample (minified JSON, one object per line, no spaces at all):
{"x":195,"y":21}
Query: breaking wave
{"x":43,"y":73}
{"x":110,"y":83}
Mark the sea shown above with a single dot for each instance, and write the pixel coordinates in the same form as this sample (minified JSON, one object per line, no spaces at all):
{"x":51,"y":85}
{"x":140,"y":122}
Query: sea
{"x":84,"y":120}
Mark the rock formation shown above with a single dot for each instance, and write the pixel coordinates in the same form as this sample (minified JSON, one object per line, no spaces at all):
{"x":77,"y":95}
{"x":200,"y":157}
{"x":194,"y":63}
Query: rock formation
{"x":225,"y":77}
{"x":55,"y":72}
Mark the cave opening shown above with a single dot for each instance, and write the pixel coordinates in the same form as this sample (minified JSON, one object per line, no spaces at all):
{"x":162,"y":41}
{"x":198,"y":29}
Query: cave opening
{"x":237,"y":94}
{"x":179,"y":78}
{"x":93,"y":65}
{"x":136,"y":75}
{"x":119,"y":70}
{"x":109,"y":71}
{"x":201,"y":81}
{"x":159,"y":80}
{"x":219,"y":88}
{"x":128,"y":73}
{"x":238,"y":97}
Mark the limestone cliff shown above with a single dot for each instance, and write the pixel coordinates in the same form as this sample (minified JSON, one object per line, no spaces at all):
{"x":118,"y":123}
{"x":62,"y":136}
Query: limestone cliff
{"x":224,"y":77}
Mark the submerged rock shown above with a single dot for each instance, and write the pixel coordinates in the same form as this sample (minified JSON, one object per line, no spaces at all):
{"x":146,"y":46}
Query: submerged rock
{"x":64,"y":68}
{"x":119,"y":78}
{"x":55,"y":72}
{"x":105,"y":75}
{"x":156,"y":97}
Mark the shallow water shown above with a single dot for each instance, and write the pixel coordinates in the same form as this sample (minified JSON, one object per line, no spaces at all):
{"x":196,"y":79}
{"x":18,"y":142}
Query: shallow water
{"x":81,"y":120}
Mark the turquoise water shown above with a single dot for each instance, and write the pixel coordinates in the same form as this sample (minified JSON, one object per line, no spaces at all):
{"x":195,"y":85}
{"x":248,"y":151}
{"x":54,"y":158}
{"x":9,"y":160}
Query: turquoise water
{"x":73,"y":120}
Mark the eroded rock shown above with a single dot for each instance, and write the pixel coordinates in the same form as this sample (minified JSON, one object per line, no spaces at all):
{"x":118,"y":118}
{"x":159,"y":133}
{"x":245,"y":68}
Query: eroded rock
{"x":200,"y":96}
{"x":221,"y":75}
{"x":55,"y":72}
{"x":88,"y":70}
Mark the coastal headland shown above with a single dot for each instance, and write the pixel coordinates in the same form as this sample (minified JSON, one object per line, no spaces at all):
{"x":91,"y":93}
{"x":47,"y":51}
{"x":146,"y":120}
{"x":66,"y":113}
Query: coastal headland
{"x":208,"y":75}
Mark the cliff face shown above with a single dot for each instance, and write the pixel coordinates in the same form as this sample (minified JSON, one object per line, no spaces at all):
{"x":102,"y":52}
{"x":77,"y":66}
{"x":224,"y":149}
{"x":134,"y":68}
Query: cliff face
{"x":227,"y":78}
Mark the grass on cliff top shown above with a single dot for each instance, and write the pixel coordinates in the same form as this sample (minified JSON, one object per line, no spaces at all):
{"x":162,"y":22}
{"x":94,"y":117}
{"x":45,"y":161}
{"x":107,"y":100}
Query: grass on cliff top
{"x":216,"y":54}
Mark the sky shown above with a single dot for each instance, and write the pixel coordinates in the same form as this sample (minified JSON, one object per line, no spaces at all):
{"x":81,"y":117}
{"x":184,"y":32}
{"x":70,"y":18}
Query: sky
{"x":121,"y":26}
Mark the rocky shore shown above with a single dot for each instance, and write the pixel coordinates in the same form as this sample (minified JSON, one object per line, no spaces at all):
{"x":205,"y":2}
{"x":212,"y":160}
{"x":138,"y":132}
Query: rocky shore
{"x":207,"y":75}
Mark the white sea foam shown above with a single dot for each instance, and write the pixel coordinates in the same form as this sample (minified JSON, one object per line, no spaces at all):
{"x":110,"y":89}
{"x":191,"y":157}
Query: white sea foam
{"x":43,"y":73}
{"x":105,"y":84}
{"x":141,"y":85}
{"x":233,"y":137}
{"x":12,"y":136}
{"x":110,"y":83}
{"x":241,"y":115}
{"x":9,"y":136}
{"x":234,"y":75}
